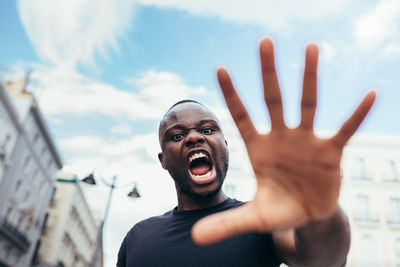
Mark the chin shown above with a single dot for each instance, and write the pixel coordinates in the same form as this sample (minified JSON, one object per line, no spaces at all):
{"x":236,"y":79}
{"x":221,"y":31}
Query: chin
{"x":205,"y":191}
{"x":204,"y":194}
{"x":200,"y":191}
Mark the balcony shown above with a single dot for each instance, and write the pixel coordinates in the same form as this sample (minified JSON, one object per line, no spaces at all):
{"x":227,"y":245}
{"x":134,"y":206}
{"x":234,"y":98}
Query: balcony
{"x":361,"y":177}
{"x":391,"y":179}
{"x":393,"y":220}
{"x":367,"y":219}
{"x":15,"y":236}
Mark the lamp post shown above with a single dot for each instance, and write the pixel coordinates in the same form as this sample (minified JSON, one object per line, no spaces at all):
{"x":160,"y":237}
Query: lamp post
{"x":133,"y":193}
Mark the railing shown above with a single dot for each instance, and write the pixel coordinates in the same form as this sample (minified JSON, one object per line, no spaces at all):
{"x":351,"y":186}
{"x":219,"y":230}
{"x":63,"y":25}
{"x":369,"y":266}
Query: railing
{"x":361,"y":177}
{"x":366,"y":216}
{"x":393,"y":179}
{"x":393,"y":220}
{"x":15,"y":236}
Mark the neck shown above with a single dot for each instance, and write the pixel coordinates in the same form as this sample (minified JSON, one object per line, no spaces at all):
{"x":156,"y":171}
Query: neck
{"x":191,"y":202}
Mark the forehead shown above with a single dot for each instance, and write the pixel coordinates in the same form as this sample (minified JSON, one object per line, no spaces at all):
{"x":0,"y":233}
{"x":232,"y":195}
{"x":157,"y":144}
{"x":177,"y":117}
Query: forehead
{"x":186,"y":114}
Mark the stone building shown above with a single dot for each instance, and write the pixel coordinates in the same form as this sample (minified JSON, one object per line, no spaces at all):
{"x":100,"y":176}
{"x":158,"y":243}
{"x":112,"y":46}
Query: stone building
{"x":371,"y":198}
{"x":26,"y":184}
{"x":70,"y":231}
{"x":9,"y":128}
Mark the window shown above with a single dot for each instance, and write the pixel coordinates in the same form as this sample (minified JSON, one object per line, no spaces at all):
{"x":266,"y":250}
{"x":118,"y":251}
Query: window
{"x":44,"y":225}
{"x":9,"y":209}
{"x":358,"y":169}
{"x":26,"y":163}
{"x":20,"y":218}
{"x":367,"y":252}
{"x":26,"y":196}
{"x":394,"y":210}
{"x":49,"y":162}
{"x":8,"y":248}
{"x":36,"y":138}
{"x":5,"y":142}
{"x":363,"y":211}
{"x":53,"y":194}
{"x":67,"y":242}
{"x":35,"y":179}
{"x":17,"y":187}
{"x":43,"y":190}
{"x":389,"y":171}
{"x":396,"y":254}
{"x":43,"y":150}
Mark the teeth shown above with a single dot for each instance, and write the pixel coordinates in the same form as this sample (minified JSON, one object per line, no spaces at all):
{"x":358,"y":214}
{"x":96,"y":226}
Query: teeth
{"x":196,"y":156}
{"x":208,"y":174}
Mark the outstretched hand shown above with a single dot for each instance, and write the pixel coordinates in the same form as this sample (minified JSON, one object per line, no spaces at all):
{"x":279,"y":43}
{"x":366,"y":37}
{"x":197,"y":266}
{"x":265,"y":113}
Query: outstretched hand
{"x":298,"y":174}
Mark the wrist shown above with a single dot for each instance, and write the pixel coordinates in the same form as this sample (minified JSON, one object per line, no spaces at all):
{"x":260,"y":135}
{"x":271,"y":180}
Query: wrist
{"x":317,"y":238}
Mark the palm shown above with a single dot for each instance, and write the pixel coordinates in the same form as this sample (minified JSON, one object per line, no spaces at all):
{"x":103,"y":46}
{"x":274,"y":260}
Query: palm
{"x":298,"y":174}
{"x":298,"y":178}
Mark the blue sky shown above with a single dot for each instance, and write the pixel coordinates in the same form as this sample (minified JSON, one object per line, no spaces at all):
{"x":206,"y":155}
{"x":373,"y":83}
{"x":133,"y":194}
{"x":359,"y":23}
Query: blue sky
{"x":105,"y":71}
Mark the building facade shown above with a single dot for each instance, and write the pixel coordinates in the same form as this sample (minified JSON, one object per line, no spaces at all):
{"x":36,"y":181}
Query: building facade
{"x":370,"y":196}
{"x":9,"y":129}
{"x":70,"y":232}
{"x":27,"y":181}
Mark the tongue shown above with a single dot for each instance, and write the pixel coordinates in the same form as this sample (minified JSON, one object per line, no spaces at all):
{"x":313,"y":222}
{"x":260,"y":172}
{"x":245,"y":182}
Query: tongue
{"x":200,"y":168}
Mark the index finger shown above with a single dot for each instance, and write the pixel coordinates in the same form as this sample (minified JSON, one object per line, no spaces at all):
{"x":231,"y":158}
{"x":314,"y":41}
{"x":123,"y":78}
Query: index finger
{"x":235,"y":105}
{"x":351,"y":125}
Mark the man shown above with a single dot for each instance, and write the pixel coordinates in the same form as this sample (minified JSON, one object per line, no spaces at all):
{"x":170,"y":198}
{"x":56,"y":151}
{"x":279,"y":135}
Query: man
{"x":294,"y":217}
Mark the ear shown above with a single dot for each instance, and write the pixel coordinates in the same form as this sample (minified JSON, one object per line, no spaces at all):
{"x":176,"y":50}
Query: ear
{"x":161,"y":159}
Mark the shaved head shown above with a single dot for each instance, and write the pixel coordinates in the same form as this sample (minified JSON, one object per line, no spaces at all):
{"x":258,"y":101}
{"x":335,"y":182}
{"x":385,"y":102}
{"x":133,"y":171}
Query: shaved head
{"x":185,"y":101}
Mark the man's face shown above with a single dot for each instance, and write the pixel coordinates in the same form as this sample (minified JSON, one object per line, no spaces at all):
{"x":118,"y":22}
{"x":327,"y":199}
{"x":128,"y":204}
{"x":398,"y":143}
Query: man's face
{"x":194,"y":150}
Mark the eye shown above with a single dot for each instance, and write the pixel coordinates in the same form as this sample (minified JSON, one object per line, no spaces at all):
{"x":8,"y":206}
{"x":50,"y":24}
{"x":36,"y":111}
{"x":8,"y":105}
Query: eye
{"x":177,"y":137}
{"x":207,"y":130}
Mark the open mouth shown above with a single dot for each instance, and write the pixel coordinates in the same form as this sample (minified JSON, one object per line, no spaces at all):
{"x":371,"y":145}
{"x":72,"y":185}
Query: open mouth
{"x":201,"y":168}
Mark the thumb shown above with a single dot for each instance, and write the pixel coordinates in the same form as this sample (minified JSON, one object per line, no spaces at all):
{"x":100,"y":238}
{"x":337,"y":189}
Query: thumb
{"x":224,"y":224}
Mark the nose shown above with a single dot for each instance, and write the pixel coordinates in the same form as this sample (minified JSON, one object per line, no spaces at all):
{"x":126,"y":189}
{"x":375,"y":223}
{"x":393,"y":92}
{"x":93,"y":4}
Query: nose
{"x":194,"y":137}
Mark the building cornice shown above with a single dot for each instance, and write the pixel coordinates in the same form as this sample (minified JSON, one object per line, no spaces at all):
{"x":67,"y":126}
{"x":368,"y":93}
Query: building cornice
{"x":7,"y":103}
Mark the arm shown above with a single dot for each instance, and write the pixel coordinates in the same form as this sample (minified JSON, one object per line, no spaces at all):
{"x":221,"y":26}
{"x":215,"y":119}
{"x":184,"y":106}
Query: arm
{"x":313,"y":243}
{"x":298,"y":173}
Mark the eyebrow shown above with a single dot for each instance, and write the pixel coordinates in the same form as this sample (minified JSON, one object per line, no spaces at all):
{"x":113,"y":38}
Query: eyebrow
{"x":180,"y":126}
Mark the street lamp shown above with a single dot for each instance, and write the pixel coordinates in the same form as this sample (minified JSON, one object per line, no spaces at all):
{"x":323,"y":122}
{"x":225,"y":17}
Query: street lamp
{"x":134,"y":193}
{"x":89,"y":179}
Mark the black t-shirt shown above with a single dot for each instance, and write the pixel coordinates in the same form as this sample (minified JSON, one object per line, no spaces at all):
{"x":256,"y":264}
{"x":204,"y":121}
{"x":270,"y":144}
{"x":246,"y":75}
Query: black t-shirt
{"x":166,"y":241}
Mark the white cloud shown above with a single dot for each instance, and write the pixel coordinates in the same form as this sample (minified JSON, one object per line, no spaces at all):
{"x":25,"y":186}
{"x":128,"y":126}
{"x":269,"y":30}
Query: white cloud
{"x":164,"y":88}
{"x":105,"y":152}
{"x":378,"y":25}
{"x":327,"y":52}
{"x":123,"y":129}
{"x":67,"y":32}
{"x":62,"y":91}
{"x":392,"y":49}
{"x":274,"y":14}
